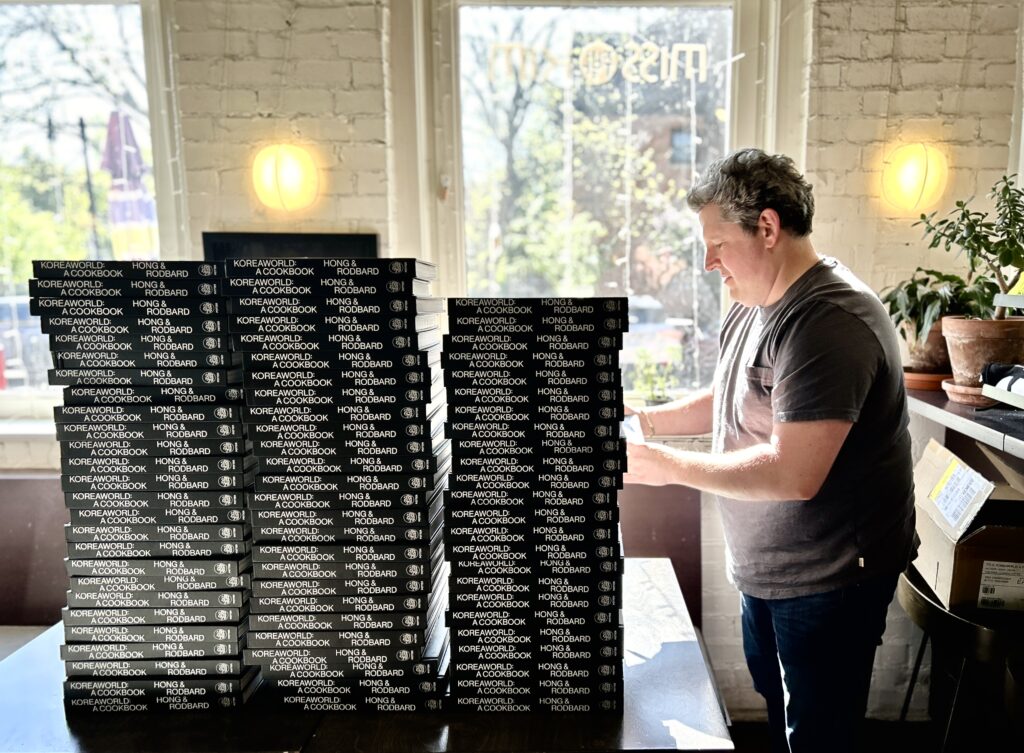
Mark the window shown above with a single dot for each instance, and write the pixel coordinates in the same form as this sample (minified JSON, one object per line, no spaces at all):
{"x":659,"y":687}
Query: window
{"x":760,"y":57}
{"x":76,"y":174}
{"x":581,"y":128}
{"x":681,"y":145}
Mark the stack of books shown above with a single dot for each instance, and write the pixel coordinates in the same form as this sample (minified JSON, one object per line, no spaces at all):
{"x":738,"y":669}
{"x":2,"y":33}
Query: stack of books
{"x":344,"y":413}
{"x":531,"y":515}
{"x":152,"y":462}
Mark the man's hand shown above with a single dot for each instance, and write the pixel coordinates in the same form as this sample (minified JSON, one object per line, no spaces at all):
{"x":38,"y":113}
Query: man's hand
{"x":647,"y":464}
{"x":690,"y":415}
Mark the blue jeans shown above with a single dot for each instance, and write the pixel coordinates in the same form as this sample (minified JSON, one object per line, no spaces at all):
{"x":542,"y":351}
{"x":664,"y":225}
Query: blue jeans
{"x":811,"y":657}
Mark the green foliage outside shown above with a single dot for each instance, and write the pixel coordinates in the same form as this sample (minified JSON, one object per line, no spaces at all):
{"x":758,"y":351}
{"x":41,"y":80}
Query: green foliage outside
{"x":572,"y":184}
{"x":31,"y":227}
{"x":525,"y":238}
{"x":546,"y":242}
{"x":654,"y":380}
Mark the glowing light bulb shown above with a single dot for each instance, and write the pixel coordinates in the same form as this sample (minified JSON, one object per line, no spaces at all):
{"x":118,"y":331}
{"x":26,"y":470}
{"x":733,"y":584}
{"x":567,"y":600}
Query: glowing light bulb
{"x":285,"y":177}
{"x":914,"y":177}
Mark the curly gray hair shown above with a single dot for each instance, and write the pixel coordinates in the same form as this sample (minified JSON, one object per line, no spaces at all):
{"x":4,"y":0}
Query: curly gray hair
{"x":748,"y":181}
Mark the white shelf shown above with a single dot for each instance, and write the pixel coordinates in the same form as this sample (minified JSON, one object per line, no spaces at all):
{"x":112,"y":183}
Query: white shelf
{"x":1003,"y":396}
{"x":1010,"y":301}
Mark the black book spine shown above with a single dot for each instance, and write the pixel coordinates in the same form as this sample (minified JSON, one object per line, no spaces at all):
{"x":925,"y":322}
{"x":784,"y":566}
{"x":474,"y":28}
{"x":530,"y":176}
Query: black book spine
{"x":126,"y":270}
{"x":162,"y":289}
{"x":71,"y":414}
{"x":197,"y":668}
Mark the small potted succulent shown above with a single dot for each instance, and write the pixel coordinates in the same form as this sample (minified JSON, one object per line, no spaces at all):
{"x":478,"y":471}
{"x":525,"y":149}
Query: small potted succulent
{"x":652,"y":379}
{"x":916,"y":306}
{"x":994,"y":247}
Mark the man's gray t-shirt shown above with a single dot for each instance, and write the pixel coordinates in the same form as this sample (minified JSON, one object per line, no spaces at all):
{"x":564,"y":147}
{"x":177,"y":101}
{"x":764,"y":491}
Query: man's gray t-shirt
{"x":825,"y":350}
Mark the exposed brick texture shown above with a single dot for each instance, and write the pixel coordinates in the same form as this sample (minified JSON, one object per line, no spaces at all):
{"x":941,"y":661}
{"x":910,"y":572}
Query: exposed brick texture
{"x":312,"y":73}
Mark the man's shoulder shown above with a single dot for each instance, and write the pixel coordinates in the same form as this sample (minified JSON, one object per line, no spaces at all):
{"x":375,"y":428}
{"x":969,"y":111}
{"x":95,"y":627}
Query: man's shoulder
{"x":837,"y":294}
{"x":833,"y":278}
{"x":833,"y":307}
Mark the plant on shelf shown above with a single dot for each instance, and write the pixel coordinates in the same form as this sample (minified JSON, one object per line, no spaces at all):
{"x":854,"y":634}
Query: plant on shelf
{"x":653,"y":379}
{"x":918,"y":303}
{"x":994,"y":247}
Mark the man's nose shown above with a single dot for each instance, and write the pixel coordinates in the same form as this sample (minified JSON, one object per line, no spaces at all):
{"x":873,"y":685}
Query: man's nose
{"x":710,"y":260}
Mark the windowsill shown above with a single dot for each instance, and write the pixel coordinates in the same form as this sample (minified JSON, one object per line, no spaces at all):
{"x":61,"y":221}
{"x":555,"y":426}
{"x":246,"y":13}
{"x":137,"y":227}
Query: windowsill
{"x":19,"y":405}
{"x":698,"y":443}
{"x":30,"y":429}
{"x":28,"y":446}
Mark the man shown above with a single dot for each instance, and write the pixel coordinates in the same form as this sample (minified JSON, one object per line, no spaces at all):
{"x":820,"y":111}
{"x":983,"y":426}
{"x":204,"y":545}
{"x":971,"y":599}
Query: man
{"x":811,"y":453}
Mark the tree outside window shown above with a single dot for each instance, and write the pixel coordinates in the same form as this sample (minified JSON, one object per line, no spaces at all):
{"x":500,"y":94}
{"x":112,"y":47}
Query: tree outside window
{"x":76,"y":171}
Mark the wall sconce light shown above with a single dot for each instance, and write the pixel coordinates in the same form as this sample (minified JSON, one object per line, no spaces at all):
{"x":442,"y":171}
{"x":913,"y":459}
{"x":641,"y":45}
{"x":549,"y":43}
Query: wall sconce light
{"x":285,"y":177}
{"x":914,"y":177}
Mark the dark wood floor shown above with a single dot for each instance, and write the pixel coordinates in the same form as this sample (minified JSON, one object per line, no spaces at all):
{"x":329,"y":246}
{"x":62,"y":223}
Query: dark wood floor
{"x":910,"y":737}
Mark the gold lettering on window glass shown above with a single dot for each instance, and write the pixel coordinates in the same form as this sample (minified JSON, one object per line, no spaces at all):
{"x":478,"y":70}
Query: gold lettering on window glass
{"x":641,"y":58}
{"x":690,"y":50}
{"x":598,"y":62}
{"x":521,"y":62}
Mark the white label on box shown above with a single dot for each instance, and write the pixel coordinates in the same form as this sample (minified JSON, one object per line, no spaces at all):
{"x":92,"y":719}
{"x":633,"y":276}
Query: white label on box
{"x":955,"y":490}
{"x":1002,"y":585}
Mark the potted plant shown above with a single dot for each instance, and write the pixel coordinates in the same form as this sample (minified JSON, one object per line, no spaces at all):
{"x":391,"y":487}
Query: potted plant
{"x":652,"y":379}
{"x":916,"y":306}
{"x":994,"y":250}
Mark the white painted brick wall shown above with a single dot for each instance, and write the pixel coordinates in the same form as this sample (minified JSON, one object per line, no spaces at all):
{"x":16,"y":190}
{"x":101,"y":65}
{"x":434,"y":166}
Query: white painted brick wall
{"x":312,"y":73}
{"x":952,"y":82}
{"x":951,"y":67}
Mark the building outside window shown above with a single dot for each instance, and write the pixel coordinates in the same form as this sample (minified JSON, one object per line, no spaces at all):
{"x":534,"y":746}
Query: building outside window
{"x":681,"y":145}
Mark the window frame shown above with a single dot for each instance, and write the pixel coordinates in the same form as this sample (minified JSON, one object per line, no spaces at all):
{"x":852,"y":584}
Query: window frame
{"x":165,"y":130}
{"x":771,"y":39}
{"x":1015,"y":162}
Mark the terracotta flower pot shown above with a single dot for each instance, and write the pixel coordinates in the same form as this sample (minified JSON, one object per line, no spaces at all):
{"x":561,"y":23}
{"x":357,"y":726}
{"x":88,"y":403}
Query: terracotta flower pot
{"x":930,"y":356}
{"x":973,"y":343}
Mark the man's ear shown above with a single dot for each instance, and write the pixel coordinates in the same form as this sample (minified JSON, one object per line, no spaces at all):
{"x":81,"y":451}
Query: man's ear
{"x":769,"y":227}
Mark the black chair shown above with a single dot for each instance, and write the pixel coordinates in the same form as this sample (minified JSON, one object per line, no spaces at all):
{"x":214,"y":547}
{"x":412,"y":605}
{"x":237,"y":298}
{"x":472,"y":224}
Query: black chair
{"x":982,"y":649}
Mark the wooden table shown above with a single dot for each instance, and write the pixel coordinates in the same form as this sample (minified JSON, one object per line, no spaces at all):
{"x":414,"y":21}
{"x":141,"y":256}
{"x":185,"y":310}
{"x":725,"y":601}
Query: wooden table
{"x":670,"y":704}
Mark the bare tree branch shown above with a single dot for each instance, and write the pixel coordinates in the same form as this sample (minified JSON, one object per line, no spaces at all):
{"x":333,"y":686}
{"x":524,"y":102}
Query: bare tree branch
{"x":84,"y":64}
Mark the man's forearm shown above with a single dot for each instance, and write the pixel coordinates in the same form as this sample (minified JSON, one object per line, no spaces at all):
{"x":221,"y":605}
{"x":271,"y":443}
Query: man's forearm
{"x":755,"y":473}
{"x":687,"y":416}
{"x":793,"y":464}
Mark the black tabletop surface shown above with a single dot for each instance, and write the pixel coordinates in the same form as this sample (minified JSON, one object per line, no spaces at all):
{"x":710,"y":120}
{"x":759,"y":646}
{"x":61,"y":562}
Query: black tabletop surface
{"x":670,"y":704}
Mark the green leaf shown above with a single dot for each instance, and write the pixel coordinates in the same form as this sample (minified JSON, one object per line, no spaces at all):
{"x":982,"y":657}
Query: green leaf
{"x":931,"y":315}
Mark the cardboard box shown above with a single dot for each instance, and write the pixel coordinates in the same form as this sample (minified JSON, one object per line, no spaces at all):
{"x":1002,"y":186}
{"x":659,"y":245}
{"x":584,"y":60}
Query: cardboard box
{"x":971,"y":560}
